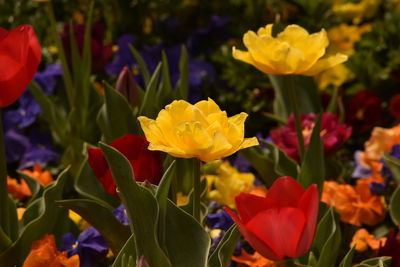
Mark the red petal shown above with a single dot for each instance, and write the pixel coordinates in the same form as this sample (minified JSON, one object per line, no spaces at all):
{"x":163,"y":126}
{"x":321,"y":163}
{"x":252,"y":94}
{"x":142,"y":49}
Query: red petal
{"x":260,"y":246}
{"x":97,"y":162}
{"x":286,"y":192}
{"x":130,"y":145}
{"x":20,"y":54}
{"x":280,"y":229}
{"x":309,"y":205}
{"x":249,"y":205}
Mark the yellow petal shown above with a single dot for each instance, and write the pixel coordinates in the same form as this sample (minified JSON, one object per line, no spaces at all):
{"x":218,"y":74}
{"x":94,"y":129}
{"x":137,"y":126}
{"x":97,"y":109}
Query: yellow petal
{"x":325,"y":63}
{"x":246,"y":57}
{"x":267,"y":30}
{"x":249,"y":142}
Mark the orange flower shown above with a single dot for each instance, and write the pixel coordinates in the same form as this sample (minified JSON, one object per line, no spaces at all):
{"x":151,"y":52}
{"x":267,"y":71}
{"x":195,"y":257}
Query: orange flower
{"x":44,"y":177}
{"x":356,"y":205}
{"x":44,"y":253}
{"x":18,"y":190}
{"x":362,"y":239}
{"x":255,"y":260}
{"x":381,"y":140}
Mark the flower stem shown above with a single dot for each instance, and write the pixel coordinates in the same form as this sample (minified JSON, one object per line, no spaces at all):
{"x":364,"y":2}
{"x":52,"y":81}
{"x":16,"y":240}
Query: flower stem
{"x":4,"y":222}
{"x":295,"y":109}
{"x":196,"y":189}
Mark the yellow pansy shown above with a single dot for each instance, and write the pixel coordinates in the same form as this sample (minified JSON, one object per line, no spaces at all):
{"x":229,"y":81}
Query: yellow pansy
{"x":365,"y":9}
{"x":343,"y":37}
{"x":199,"y":131}
{"x":228,"y":183}
{"x":293,"y":51}
{"x":335,"y":76}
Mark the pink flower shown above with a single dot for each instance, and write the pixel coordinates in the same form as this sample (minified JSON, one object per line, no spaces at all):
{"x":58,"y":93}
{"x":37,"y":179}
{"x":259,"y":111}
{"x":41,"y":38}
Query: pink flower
{"x":333,"y":134}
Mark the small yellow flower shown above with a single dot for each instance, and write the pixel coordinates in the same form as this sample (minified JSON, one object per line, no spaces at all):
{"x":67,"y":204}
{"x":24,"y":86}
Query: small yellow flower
{"x":199,"y":131}
{"x":364,"y":9}
{"x":228,"y":183}
{"x":293,"y":51}
{"x":343,"y":37}
{"x":335,"y":76}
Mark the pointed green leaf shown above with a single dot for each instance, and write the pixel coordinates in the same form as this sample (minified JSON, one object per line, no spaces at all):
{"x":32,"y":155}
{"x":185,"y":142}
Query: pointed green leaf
{"x":333,"y":102}
{"x":142,"y":65}
{"x":224,"y":251}
{"x":34,"y":186}
{"x":348,"y":259}
{"x":13,"y":219}
{"x":101,"y":218}
{"x":141,"y":207}
{"x":37,"y":227}
{"x":182,"y":86}
{"x":127,"y":250}
{"x":313,"y":168}
{"x":187,"y":242}
{"x":116,"y":116}
{"x":394,"y":166}
{"x":150,"y":105}
{"x":394,"y":206}
{"x":376,"y":262}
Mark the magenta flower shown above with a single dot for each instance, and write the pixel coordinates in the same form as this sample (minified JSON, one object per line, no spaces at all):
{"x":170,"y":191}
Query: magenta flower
{"x":333,"y":134}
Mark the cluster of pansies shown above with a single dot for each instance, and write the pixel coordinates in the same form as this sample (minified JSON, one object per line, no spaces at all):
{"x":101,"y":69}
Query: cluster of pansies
{"x":149,"y":135}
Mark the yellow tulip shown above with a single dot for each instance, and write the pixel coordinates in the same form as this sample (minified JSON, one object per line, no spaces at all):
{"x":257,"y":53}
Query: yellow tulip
{"x":199,"y":131}
{"x":364,"y":9}
{"x":293,"y":51}
{"x":228,"y":183}
{"x":335,"y":76}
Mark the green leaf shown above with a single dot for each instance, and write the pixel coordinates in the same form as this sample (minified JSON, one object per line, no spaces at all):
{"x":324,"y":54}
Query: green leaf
{"x":150,"y":106}
{"x":141,"y":207}
{"x":394,"y":166}
{"x":142,"y":65}
{"x":333,"y":102}
{"x":224,"y":251}
{"x":187,"y":242}
{"x":101,"y":218}
{"x":182,"y":86}
{"x":165,"y":93}
{"x":376,"y":262}
{"x":283,"y":165}
{"x":51,"y":113}
{"x":13,"y":219}
{"x":37,"y":227}
{"x":313,"y":167}
{"x":127,"y":250}
{"x":348,"y":259}
{"x":34,"y":186}
{"x":327,"y":240}
{"x":394,"y":206}
{"x":89,"y":187}
{"x":116,"y":118}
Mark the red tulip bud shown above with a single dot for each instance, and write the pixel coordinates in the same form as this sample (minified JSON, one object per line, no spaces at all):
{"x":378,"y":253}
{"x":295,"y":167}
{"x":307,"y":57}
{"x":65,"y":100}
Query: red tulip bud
{"x":126,"y":85}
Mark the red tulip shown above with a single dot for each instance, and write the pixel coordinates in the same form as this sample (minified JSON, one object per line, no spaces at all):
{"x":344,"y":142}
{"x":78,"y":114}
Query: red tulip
{"x":20,"y":54}
{"x":146,"y":164}
{"x":282,"y":224}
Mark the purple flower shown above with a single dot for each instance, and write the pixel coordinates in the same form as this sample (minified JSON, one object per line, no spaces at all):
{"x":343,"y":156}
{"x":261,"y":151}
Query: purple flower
{"x":26,"y":113}
{"x":360,"y":170}
{"x":90,"y":246}
{"x":15,"y":145}
{"x":49,"y":77}
{"x":120,"y":214}
{"x":220,"y":220}
{"x":123,"y":56}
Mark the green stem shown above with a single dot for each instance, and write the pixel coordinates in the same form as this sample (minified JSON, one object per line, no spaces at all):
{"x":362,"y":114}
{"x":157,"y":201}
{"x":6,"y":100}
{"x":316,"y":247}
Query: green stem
{"x":4,"y":222}
{"x":286,"y":263}
{"x":196,"y":189}
{"x":295,"y":109}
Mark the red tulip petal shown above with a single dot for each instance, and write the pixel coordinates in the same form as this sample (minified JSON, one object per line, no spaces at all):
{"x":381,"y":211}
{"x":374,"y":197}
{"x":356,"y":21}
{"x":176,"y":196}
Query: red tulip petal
{"x":286,"y":192}
{"x":309,"y":205}
{"x":130,"y":145}
{"x":260,"y":246}
{"x":20,"y":54}
{"x":249,"y":205}
{"x":280,"y":229}
{"x":97,"y":162}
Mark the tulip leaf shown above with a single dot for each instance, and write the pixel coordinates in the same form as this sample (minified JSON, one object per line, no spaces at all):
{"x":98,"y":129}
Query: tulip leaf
{"x":88,"y":186}
{"x":165,"y":92}
{"x":376,"y":262}
{"x":347,"y":260}
{"x":284,"y":166}
{"x":394,"y":206}
{"x":51,"y":113}
{"x":142,"y":65}
{"x":101,"y":218}
{"x":182,"y":86}
{"x":187,"y":242}
{"x":149,"y":106}
{"x":128,"y":249}
{"x":12,"y":219}
{"x":281,"y":104}
{"x":224,"y":251}
{"x":327,"y":240}
{"x":333,"y":102}
{"x":37,"y":227}
{"x":116,"y":118}
{"x":141,"y":207}
{"x":394,"y":166}
{"x":313,"y":167}
{"x":308,"y":94}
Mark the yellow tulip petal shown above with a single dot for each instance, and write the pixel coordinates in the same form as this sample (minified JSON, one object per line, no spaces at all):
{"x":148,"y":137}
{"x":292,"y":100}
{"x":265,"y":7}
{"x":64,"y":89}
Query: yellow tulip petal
{"x":150,"y":129}
{"x":325,"y":63}
{"x":267,"y":30}
{"x":246,"y":57}
{"x":293,"y":34}
{"x":249,"y":142}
